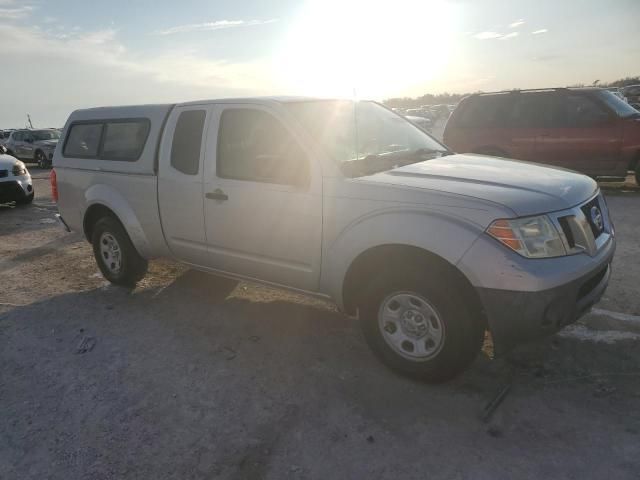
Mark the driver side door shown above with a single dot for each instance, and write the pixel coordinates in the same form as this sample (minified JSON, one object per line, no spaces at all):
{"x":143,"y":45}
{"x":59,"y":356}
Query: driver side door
{"x":263,"y":198}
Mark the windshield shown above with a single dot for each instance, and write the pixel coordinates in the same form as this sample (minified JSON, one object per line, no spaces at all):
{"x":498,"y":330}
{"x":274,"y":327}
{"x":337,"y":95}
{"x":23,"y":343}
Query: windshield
{"x":40,"y":135}
{"x":364,"y":137}
{"x":622,"y":108}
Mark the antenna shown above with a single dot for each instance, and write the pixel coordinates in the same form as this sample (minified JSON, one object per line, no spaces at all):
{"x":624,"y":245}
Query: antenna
{"x":29,"y":118}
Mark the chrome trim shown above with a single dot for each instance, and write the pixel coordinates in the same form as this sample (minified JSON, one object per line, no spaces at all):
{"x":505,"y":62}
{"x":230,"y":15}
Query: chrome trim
{"x":584,"y":240}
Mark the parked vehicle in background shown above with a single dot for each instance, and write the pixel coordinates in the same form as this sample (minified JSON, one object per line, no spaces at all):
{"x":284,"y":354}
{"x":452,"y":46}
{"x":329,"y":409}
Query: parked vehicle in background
{"x":440,"y":111}
{"x":632,"y":93}
{"x":589,"y":130}
{"x":4,"y":136}
{"x":617,"y":92}
{"x":418,"y":112}
{"x":422,"y":122}
{"x":347,"y":201}
{"x":15,"y":182}
{"x":34,"y":145}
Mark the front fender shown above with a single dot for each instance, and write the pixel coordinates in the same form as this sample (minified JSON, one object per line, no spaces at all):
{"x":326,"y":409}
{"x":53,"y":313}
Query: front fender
{"x":443,"y":234}
{"x":112,"y":199}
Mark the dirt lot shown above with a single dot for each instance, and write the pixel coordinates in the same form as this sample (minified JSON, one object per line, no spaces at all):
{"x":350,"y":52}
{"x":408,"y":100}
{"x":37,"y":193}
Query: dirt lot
{"x":196,"y":377}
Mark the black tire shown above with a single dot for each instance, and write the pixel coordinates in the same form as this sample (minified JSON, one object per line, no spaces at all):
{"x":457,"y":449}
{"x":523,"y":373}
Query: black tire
{"x":41,"y":159}
{"x":27,"y":199}
{"x":463,"y":328}
{"x":132,"y":267}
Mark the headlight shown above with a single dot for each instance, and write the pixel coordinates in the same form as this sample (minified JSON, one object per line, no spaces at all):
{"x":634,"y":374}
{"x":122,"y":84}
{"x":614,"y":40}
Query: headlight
{"x":19,"y":169}
{"x":532,"y":237}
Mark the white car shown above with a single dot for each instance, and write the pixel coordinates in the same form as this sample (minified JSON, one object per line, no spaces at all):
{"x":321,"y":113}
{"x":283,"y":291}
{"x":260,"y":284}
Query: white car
{"x":15,"y":181}
{"x":347,"y":201}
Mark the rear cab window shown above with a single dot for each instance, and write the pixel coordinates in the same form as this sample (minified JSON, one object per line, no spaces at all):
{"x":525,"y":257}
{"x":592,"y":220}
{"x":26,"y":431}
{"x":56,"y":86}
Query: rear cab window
{"x":117,"y":139}
{"x":187,"y":141}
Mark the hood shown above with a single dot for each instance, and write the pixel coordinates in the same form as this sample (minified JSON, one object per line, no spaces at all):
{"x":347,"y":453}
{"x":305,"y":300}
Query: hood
{"x":7,"y":162}
{"x":525,"y":188}
{"x":47,"y":143}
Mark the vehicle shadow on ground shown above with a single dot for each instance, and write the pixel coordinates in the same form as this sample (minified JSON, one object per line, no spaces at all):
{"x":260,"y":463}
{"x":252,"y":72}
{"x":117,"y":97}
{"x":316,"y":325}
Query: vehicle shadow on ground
{"x":204,"y":376}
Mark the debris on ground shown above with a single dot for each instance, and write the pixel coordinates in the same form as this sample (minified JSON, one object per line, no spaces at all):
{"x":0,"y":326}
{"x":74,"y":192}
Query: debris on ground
{"x":491,"y":407}
{"x":86,"y":345}
{"x":229,"y":353}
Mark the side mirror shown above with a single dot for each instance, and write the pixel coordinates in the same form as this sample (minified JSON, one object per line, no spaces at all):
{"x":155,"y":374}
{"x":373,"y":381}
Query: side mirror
{"x":3,"y":149}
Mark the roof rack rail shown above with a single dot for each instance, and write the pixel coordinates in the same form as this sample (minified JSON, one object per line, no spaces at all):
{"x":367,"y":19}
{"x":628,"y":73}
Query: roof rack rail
{"x":519,"y":90}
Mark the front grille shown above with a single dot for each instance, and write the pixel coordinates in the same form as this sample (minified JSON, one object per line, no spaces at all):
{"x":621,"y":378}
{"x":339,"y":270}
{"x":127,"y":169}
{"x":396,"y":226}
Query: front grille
{"x":4,"y":173}
{"x":588,"y":286}
{"x":586,"y":209}
{"x":10,"y":191}
{"x":566,"y":229}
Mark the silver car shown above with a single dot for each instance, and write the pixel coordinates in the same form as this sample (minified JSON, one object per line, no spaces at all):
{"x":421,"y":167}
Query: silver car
{"x":33,"y":145}
{"x":4,"y":136}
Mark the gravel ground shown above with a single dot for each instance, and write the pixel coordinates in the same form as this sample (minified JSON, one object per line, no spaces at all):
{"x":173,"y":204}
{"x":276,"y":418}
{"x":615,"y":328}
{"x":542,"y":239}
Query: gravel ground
{"x":190,"y":376}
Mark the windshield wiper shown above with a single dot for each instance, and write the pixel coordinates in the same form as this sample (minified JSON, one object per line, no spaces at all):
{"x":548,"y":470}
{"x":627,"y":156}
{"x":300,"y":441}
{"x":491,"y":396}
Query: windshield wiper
{"x":429,"y":151}
{"x":374,"y":163}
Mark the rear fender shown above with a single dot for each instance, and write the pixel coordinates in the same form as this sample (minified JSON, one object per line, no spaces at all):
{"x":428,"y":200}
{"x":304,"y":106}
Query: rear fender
{"x":109,"y":197}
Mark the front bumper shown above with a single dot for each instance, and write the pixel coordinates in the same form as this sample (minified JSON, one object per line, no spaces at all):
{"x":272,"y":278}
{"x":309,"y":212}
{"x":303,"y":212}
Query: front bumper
{"x":516,"y":317}
{"x":13,"y":190}
{"x":519,"y":316}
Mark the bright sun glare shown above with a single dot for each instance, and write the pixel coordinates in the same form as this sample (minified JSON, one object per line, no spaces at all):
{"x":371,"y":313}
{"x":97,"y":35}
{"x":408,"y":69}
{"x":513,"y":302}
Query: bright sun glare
{"x":374,"y":48}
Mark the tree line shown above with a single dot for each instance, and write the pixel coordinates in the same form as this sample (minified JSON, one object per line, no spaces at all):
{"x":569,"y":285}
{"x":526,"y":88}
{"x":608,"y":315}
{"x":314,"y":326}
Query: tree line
{"x":453,"y":98}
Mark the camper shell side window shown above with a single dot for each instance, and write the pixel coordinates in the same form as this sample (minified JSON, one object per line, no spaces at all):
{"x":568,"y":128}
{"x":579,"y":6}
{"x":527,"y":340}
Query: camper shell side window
{"x":121,"y":139}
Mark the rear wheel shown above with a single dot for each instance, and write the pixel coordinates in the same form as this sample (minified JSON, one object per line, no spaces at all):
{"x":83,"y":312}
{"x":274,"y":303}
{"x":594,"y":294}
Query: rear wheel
{"x":41,"y":159}
{"x":115,"y":255}
{"x":418,"y":327}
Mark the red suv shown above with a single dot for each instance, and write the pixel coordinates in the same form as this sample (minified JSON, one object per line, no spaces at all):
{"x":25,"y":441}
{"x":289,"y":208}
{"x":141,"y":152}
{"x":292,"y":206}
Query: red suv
{"x":585,"y":129}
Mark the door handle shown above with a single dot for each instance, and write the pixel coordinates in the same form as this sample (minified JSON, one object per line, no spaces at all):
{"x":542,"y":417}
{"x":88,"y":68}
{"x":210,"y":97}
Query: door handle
{"x":217,"y":194}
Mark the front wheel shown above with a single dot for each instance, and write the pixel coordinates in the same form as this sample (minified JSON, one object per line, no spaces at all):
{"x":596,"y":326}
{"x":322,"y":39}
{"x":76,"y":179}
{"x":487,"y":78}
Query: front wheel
{"x":115,"y":255}
{"x":41,"y":159}
{"x":417,"y":325}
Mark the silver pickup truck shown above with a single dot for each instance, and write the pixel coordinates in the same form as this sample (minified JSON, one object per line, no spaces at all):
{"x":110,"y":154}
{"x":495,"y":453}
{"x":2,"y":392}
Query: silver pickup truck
{"x":347,"y":201}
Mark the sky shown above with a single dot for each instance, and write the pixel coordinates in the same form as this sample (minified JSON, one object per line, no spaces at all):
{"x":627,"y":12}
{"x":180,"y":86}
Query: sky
{"x":60,"y":55}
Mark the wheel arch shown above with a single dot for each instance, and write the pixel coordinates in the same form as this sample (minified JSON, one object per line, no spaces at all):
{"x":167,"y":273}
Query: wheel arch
{"x":94,"y":213}
{"x":383,"y":257}
{"x":102,"y":200}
